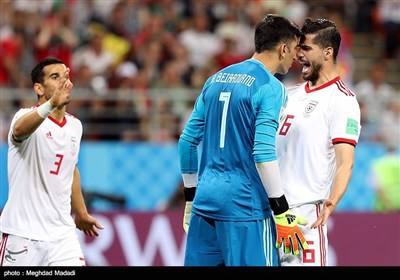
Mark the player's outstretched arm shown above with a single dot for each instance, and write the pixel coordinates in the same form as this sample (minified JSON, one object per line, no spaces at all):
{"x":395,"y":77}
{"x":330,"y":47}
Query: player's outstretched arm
{"x":84,"y":222}
{"x":344,"y":167}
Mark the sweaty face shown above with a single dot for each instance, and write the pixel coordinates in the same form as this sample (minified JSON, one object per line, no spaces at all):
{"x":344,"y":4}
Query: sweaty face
{"x":310,"y":56}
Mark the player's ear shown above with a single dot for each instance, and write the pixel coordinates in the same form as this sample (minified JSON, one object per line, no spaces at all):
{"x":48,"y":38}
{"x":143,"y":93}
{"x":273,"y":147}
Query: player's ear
{"x":38,"y":89}
{"x":328,"y":52}
{"x":283,"y":48}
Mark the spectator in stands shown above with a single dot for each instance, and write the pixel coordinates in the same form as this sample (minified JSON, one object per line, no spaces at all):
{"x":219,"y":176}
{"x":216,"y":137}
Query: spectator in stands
{"x":11,"y":73}
{"x":345,"y":56}
{"x":83,"y":83}
{"x":136,"y":24}
{"x":55,"y":35}
{"x":163,"y":126}
{"x":237,"y":31}
{"x":386,"y":180}
{"x":172,"y":85}
{"x":374,"y":95}
{"x":228,"y":55}
{"x":200,"y":42}
{"x":389,"y":17}
{"x":390,"y":125}
{"x":125,"y":107}
{"x":94,"y":51}
{"x":150,"y":58}
{"x":295,"y":9}
{"x":153,"y":29}
{"x":180,"y":55}
{"x":364,"y":18}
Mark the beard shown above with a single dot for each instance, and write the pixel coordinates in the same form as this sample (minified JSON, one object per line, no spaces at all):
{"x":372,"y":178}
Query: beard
{"x":314,"y":75}
{"x":67,"y":101}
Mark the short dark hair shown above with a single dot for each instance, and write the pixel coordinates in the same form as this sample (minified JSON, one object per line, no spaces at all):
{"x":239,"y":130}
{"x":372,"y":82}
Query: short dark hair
{"x":37,"y":74}
{"x":327,"y":33}
{"x":272,"y":30}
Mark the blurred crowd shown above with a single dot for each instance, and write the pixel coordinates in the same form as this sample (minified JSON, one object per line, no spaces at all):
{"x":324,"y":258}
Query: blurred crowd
{"x":122,"y":51}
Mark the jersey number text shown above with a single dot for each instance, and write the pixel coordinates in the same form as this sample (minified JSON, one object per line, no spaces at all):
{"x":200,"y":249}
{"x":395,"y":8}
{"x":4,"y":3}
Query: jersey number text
{"x":58,"y":164}
{"x":286,"y":125}
{"x":224,"y":97}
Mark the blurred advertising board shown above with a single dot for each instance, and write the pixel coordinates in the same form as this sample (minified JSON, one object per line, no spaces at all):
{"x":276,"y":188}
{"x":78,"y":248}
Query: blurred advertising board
{"x":157,"y":239}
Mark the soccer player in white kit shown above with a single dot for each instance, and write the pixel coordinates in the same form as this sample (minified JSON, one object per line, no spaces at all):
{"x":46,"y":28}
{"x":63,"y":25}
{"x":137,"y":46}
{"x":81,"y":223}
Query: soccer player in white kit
{"x":316,"y":138}
{"x":44,"y":182}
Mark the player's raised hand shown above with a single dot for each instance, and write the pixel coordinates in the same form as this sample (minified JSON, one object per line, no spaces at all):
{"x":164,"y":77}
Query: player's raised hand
{"x":61,"y":95}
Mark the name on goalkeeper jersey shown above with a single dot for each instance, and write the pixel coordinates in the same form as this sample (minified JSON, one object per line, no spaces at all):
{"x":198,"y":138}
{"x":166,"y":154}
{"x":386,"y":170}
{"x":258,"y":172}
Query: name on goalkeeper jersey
{"x":244,"y":79}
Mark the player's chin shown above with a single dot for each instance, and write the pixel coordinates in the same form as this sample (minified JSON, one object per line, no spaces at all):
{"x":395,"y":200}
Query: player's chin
{"x":287,"y":67}
{"x":283,"y":71}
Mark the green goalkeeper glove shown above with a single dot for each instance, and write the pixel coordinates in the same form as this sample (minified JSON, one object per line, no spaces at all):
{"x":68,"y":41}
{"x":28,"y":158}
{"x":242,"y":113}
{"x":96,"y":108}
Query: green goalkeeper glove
{"x":186,"y":216}
{"x":289,"y":233}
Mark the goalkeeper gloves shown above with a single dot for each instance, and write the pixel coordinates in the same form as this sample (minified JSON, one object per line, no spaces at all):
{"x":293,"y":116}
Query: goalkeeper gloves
{"x":289,"y":233}
{"x":186,"y":216}
{"x":189,"y":194}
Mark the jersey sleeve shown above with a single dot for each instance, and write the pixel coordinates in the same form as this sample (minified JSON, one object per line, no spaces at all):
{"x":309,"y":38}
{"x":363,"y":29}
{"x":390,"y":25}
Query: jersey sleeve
{"x":191,"y":138}
{"x":268,"y":104}
{"x":17,"y":115}
{"x":345,"y":124}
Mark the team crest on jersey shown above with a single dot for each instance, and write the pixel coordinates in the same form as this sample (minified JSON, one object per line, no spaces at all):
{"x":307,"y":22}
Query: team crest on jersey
{"x":74,"y":145}
{"x":309,"y":108}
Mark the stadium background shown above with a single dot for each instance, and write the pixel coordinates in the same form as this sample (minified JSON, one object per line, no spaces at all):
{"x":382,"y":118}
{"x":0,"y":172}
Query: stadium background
{"x":134,"y":104}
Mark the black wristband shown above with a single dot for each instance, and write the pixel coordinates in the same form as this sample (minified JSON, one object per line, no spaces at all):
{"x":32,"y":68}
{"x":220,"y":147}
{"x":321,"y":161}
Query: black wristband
{"x":189,"y":193}
{"x":279,"y":204}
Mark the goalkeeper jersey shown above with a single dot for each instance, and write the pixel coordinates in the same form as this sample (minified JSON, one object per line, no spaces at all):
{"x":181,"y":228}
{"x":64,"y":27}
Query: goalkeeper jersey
{"x":235,"y":118}
{"x":313,"y":121}
{"x":40,"y":175}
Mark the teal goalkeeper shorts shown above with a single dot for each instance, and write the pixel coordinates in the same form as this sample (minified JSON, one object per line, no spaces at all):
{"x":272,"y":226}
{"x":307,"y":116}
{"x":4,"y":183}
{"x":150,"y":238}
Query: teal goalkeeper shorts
{"x":226,"y":243}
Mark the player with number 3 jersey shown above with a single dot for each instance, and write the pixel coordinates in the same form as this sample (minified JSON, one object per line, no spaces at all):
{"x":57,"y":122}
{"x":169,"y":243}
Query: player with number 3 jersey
{"x":44,"y":182}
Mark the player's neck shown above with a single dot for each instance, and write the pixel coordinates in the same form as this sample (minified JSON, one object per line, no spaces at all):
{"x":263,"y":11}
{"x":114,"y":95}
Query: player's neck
{"x":59,"y":114}
{"x":325,"y":76}
{"x":269,"y":60}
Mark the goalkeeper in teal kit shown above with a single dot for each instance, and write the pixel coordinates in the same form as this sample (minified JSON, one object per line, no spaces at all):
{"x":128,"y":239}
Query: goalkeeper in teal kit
{"x":231,"y":191}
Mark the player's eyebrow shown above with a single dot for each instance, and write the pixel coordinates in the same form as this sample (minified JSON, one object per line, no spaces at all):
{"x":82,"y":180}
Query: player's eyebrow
{"x":54,"y":75}
{"x":304,"y":47}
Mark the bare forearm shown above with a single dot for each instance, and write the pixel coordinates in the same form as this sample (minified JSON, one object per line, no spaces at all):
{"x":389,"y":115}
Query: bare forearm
{"x":68,"y":37}
{"x":77,"y":201}
{"x":344,"y":168}
{"x":43,"y":38}
{"x":341,"y":182}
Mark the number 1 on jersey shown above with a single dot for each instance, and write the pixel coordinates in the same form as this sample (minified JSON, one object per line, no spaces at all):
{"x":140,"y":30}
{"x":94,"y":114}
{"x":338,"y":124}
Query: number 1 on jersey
{"x":224,"y":97}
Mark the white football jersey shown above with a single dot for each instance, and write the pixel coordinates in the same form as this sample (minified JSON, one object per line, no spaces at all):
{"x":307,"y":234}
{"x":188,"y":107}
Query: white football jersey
{"x":313,"y":121}
{"x":40,"y":175}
